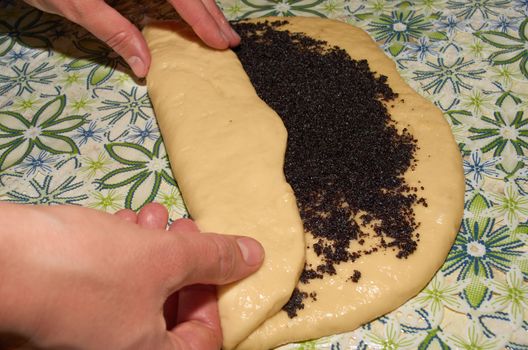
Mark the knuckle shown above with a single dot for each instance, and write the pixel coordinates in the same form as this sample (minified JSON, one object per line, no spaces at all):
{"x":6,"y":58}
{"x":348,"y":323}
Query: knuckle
{"x":225,"y":254}
{"x":119,"y":40}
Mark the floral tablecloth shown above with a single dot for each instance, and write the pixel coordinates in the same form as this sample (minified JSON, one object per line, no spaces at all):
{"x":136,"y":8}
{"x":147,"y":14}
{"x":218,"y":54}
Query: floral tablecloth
{"x":76,"y":128}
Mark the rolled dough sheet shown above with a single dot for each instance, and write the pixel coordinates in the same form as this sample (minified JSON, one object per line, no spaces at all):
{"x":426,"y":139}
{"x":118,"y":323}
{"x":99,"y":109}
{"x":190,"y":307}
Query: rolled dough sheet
{"x":226,"y":148}
{"x":386,"y":282}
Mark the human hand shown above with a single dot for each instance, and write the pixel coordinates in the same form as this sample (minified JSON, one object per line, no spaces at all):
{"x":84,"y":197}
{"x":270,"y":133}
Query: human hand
{"x":110,"y":26}
{"x":197,"y":302}
{"x":91,"y":280}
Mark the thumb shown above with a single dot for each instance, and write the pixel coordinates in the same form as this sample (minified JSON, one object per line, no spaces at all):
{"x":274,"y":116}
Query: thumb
{"x":116,"y":31}
{"x":209,"y":258}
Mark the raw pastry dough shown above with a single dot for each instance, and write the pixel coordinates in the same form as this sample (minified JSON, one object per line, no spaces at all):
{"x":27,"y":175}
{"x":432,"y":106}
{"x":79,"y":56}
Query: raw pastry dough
{"x":226,"y":149}
{"x":386,"y":282}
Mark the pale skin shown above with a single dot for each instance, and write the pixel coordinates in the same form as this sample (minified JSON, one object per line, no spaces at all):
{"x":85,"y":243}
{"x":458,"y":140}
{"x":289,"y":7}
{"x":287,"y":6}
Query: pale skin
{"x":77,"y":278}
{"x":110,"y":26}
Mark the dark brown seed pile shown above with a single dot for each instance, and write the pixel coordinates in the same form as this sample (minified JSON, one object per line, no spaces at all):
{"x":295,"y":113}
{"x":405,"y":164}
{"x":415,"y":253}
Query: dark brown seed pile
{"x":296,"y":302}
{"x":345,"y":159}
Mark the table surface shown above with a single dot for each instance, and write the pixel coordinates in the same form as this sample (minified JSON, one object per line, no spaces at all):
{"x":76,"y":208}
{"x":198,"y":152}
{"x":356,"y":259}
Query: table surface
{"x":76,"y":128}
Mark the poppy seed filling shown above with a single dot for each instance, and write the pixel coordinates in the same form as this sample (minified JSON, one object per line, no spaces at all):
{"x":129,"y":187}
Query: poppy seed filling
{"x":345,"y":158}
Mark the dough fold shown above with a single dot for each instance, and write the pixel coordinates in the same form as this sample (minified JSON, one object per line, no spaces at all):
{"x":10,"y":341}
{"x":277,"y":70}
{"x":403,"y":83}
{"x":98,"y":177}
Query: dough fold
{"x":226,"y":148}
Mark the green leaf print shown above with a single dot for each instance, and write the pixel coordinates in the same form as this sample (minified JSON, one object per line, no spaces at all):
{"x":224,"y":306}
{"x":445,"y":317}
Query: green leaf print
{"x":476,"y":292}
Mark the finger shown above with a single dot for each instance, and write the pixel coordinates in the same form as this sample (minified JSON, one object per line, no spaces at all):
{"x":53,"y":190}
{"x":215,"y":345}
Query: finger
{"x":170,"y":310}
{"x":198,"y":303}
{"x":198,"y":318}
{"x":115,"y":30}
{"x":184,"y":226}
{"x":193,"y":335}
{"x":208,"y":258}
{"x":153,"y":216}
{"x":204,"y":25}
{"x":127,"y":215}
{"x":221,"y":21}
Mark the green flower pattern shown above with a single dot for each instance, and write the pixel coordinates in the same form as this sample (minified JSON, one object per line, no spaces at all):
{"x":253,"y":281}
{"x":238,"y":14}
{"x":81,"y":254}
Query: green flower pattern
{"x":513,"y":49}
{"x":142,"y":169}
{"x":98,"y":59}
{"x":30,"y":29}
{"x":44,"y":131}
{"x":76,"y":128}
{"x":401,"y":27}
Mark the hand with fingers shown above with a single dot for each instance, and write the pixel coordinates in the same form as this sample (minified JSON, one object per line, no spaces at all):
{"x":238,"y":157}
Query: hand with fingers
{"x":110,"y":26}
{"x":79,"y":278}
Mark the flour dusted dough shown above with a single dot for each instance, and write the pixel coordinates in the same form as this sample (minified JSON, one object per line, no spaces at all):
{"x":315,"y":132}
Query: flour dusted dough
{"x":226,"y":149}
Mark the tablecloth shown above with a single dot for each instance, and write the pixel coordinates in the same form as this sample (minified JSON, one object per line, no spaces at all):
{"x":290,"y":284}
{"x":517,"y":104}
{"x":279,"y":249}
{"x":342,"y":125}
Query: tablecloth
{"x":77,"y":128}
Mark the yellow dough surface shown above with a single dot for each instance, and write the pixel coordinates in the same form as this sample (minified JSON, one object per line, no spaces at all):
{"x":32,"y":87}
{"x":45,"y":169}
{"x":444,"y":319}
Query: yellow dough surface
{"x":386,"y":282}
{"x":226,"y":149}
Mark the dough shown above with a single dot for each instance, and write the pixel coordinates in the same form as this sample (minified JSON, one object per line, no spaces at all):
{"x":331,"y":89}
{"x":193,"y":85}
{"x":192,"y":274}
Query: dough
{"x":386,"y":282}
{"x":226,"y":149}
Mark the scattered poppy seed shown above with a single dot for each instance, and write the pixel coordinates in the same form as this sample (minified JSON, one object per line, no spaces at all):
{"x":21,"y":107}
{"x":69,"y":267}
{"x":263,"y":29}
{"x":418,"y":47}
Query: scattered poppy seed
{"x":295,"y":303}
{"x":355,"y":276}
{"x":344,"y":155}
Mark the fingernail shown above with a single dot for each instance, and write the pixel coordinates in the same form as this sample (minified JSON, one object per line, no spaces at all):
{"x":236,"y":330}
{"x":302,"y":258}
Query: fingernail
{"x":137,"y":65}
{"x":251,"y":250}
